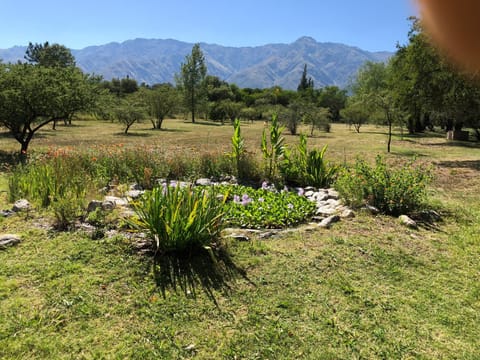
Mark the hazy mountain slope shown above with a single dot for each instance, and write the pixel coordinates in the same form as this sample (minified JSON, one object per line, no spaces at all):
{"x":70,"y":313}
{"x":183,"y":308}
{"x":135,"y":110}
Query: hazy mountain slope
{"x":156,"y":61}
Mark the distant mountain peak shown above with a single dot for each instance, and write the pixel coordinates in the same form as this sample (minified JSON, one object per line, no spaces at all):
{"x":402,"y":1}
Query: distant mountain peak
{"x":306,"y":40}
{"x":157,"y":61}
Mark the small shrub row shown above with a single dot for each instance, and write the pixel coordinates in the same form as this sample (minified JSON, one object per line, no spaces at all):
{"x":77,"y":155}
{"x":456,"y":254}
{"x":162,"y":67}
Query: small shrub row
{"x":393,"y":191}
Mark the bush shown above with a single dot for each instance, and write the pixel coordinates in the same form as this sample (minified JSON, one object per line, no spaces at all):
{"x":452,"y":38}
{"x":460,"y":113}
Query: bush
{"x":48,"y":180}
{"x":308,"y":168}
{"x":67,"y":209}
{"x":180,"y":219}
{"x":393,"y":191}
{"x":265,"y":208}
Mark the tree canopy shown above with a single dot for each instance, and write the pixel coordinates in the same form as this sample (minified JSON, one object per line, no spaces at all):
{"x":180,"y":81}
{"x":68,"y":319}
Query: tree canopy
{"x":191,"y":79}
{"x":49,"y":55}
{"x":33,"y":96}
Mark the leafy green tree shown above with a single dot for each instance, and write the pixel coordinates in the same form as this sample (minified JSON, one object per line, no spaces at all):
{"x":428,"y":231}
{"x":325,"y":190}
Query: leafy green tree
{"x":130,"y":110}
{"x":373,"y":88}
{"x":333,"y":98}
{"x":355,"y":114}
{"x":121,"y":87}
{"x":317,"y":118}
{"x":34,"y":96}
{"x":191,"y":79}
{"x":49,"y":55}
{"x":428,"y":88}
{"x":161,"y":101}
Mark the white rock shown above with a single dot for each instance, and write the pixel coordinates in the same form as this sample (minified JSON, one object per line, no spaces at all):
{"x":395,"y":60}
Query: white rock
{"x":326,"y":223}
{"x":117,"y":200}
{"x":333,"y":194}
{"x":326,"y":210}
{"x":134,"y":194}
{"x":347,"y":214}
{"x":9,"y":240}
{"x":405,"y":220}
{"x":21,"y":205}
{"x":203,"y":182}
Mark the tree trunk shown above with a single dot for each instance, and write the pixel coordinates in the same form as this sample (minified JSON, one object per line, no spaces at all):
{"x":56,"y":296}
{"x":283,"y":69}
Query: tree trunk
{"x":389,"y":135}
{"x":193,"y":106}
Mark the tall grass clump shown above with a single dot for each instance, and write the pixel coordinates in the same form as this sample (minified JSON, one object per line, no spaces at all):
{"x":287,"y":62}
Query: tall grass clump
{"x":393,"y":190}
{"x":180,"y":219}
{"x":273,"y":148}
{"x":56,"y":182}
{"x":308,"y":168}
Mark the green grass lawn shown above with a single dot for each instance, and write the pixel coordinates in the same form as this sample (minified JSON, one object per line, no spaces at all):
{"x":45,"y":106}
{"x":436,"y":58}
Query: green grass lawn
{"x":368,"y":288}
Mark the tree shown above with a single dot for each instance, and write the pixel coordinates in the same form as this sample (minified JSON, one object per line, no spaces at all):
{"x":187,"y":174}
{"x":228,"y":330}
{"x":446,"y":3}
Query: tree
{"x":317,"y":118}
{"x":161,"y":102}
{"x":373,"y":88}
{"x":34,"y":96}
{"x":333,"y":98}
{"x":428,"y":87}
{"x":129,"y":111}
{"x":54,"y":55}
{"x":306,"y":83}
{"x":355,"y":114}
{"x":191,"y":79}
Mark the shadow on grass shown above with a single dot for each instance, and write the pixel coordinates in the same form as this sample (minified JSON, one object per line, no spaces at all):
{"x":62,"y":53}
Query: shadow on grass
{"x":409,"y":153}
{"x":8,"y":159}
{"x":132,"y":134}
{"x":426,"y":134}
{"x":455,"y":143}
{"x":463,"y":164}
{"x":170,"y":130}
{"x":205,"y":123}
{"x":188,"y":273}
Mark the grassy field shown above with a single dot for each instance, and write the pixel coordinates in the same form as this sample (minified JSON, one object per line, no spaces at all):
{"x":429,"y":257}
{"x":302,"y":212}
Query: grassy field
{"x":368,"y":288}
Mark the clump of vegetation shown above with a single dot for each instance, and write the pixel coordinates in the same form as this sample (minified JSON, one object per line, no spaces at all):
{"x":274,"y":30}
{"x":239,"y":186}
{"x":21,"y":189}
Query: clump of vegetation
{"x":56,"y":183}
{"x":180,"y":219}
{"x":264,"y":207}
{"x":273,"y":149}
{"x":393,"y":191}
{"x":308,"y":168}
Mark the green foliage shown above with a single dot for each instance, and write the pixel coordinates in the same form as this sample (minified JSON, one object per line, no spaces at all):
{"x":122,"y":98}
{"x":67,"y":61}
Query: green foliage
{"x":129,"y":111}
{"x":264,"y":208}
{"x":238,"y":147}
{"x":334,"y":99}
{"x":67,"y":209}
{"x":48,"y":181}
{"x":308,"y":168}
{"x":49,"y":55}
{"x":161,"y":102}
{"x":393,"y":190}
{"x":180,"y":219}
{"x":191,"y":79}
{"x":318,"y":171}
{"x":306,"y":82}
{"x":274,"y":151}
{"x":56,"y":184}
{"x":355,"y":114}
{"x":34,"y":96}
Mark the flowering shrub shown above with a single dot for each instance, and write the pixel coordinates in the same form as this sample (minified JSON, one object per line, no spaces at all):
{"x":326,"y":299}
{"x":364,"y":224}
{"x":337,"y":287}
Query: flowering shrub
{"x":393,"y":191}
{"x":264,"y":207}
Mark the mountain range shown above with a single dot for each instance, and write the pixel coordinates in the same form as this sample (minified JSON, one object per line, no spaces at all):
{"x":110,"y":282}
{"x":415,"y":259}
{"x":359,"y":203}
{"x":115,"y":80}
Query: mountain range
{"x":156,"y":61}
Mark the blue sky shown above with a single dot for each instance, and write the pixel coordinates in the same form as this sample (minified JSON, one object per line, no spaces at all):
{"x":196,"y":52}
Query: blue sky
{"x":369,"y":24}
